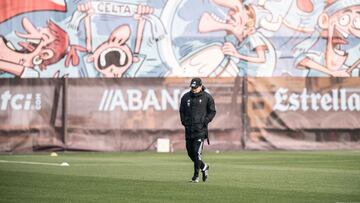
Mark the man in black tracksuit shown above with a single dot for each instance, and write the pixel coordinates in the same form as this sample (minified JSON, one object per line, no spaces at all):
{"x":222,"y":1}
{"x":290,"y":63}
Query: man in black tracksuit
{"x":197,"y":109}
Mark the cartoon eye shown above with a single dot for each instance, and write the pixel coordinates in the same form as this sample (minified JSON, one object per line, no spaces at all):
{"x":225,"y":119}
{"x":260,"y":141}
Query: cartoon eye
{"x":344,"y":20}
{"x":357,"y":23}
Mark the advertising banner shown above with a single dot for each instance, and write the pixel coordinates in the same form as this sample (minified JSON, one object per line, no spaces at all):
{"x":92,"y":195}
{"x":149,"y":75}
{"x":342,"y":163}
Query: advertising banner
{"x":298,"y":103}
{"x":109,"y":114}
{"x":306,"y":109}
{"x":30,"y":114}
{"x":132,"y":113}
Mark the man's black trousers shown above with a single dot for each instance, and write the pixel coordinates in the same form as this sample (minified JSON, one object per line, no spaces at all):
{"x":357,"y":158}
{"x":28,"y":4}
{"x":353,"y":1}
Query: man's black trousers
{"x":194,"y":149}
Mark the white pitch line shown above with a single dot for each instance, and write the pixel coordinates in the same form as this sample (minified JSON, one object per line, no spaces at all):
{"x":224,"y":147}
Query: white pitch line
{"x":31,"y":163}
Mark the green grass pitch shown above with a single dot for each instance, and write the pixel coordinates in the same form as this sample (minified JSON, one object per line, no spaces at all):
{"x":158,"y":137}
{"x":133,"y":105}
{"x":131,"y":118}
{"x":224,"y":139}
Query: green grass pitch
{"x":309,"y":176}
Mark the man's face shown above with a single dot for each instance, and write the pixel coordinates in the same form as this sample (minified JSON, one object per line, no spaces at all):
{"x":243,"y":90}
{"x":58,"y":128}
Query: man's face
{"x":35,"y":39}
{"x":340,"y":26}
{"x":196,"y":89}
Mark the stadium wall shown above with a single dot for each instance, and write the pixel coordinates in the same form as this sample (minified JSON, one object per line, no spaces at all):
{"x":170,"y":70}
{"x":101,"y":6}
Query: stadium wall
{"x":131,"y":114}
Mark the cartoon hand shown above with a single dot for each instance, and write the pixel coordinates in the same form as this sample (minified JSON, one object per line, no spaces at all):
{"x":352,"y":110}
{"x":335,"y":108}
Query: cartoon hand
{"x":85,"y":8}
{"x":340,"y":73}
{"x":143,"y":10}
{"x":261,"y":2}
{"x":229,"y":49}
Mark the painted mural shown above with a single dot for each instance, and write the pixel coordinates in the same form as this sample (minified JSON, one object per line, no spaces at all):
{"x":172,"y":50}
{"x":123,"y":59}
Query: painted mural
{"x":179,"y":38}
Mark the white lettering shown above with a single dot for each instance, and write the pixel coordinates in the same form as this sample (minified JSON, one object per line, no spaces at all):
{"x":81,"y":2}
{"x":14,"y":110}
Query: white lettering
{"x":151,"y":100}
{"x":354,"y":102}
{"x":14,"y":101}
{"x":139,"y":100}
{"x":103,"y":100}
{"x":172,"y":100}
{"x":5,"y":97}
{"x":38,"y":102}
{"x":28,"y":102}
{"x":326,"y":102}
{"x":118,"y":100}
{"x":335,"y":100}
{"x":134,"y":97}
{"x":304,"y":98}
{"x":112,"y":8}
{"x":295,"y":104}
{"x":19,"y":101}
{"x":335,"y":94}
{"x":343,"y":99}
{"x":280,"y":97}
{"x":314,"y":101}
{"x":109,"y":99}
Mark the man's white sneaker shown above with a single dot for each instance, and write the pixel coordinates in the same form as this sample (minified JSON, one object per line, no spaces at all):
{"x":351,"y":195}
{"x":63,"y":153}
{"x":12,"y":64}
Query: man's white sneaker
{"x":205,"y":173}
{"x":194,"y":179}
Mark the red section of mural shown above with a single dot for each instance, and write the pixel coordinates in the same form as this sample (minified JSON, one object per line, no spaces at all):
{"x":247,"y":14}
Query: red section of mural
{"x":11,"y":8}
{"x":305,"y":5}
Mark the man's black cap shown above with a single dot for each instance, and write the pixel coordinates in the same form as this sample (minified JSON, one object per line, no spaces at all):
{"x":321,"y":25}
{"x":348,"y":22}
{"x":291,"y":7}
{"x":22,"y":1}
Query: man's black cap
{"x":195,"y":83}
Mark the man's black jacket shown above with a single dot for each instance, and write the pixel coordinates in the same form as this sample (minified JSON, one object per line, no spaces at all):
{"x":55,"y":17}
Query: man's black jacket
{"x":196,"y":111}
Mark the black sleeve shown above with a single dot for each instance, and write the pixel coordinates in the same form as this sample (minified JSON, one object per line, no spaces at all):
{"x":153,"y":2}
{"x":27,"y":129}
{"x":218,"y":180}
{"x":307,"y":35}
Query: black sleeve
{"x":211,"y":111}
{"x":182,"y":111}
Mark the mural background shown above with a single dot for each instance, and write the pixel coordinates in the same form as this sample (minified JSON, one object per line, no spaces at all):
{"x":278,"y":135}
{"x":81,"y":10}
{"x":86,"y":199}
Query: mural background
{"x":180,"y":38}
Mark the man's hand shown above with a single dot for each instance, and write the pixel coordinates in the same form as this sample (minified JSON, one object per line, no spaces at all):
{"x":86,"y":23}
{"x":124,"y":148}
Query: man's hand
{"x":229,"y":49}
{"x":143,"y":10}
{"x":85,"y":8}
{"x":340,"y":73}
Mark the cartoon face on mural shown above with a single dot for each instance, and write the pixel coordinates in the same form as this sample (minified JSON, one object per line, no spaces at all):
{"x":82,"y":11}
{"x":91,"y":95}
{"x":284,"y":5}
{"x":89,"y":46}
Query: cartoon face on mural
{"x":253,"y":52}
{"x":148,"y":38}
{"x":113,"y":57}
{"x":40,"y":47}
{"x":338,"y":22}
{"x":337,"y":28}
{"x":235,"y":22}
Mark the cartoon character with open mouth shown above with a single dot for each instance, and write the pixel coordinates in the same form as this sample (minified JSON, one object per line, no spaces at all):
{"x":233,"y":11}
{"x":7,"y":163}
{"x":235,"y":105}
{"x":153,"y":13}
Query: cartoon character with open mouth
{"x":324,"y":54}
{"x":252,"y":53}
{"x":41,"y":47}
{"x":114,"y":57}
